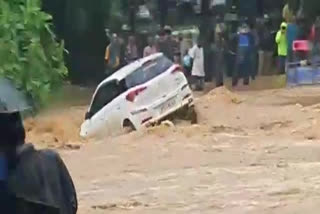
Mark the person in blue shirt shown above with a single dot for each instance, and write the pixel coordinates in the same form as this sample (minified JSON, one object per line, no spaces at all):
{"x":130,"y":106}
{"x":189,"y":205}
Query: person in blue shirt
{"x":245,"y":42}
{"x":187,"y":64}
{"x":292,"y":34}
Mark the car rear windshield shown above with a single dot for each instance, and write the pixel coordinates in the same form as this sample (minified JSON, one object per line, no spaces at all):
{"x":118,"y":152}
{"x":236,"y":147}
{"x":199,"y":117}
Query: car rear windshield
{"x":148,"y":71}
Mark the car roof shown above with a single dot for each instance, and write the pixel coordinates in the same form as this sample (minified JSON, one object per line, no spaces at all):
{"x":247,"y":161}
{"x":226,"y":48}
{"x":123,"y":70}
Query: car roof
{"x":128,"y":69}
{"x":125,"y":71}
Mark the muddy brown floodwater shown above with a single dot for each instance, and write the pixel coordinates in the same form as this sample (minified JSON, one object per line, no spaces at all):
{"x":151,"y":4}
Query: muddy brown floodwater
{"x":252,"y":152}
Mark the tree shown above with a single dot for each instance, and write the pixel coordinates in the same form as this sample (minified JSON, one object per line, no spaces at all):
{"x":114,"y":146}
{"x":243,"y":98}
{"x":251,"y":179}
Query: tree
{"x":30,"y":55}
{"x":85,"y":38}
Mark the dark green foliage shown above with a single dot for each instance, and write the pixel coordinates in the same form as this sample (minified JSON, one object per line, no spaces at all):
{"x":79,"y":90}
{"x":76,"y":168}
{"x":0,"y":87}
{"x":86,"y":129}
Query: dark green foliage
{"x":29,"y":54}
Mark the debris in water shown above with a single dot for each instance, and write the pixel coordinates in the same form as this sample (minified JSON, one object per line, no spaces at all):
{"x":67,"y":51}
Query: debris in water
{"x":168,"y":123}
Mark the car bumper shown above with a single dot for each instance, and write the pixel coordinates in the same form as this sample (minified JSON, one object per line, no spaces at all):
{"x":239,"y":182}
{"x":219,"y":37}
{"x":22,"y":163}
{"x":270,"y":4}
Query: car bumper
{"x":189,"y":102}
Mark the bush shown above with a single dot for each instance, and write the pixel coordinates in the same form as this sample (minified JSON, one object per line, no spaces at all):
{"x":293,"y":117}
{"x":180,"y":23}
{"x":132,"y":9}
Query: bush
{"x":29,"y":53}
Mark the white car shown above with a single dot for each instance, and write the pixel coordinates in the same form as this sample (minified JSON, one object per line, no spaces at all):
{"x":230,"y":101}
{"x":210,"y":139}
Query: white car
{"x":137,"y":96}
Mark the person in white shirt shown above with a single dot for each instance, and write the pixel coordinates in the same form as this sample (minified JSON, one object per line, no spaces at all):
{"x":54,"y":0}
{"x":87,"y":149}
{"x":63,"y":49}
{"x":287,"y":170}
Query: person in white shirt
{"x":197,"y":72}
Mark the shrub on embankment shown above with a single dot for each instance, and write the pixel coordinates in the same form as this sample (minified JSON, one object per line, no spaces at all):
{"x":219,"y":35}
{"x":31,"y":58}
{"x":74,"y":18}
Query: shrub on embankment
{"x":29,"y":54}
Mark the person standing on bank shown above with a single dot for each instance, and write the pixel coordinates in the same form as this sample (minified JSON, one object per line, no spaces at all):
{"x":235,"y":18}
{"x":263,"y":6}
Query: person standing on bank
{"x":281,"y":40}
{"x":243,"y":67}
{"x":219,"y":51}
{"x":166,"y":43}
{"x":292,"y":34}
{"x":197,"y":71}
{"x":112,"y":55}
{"x":132,"y":53}
{"x":266,"y":48}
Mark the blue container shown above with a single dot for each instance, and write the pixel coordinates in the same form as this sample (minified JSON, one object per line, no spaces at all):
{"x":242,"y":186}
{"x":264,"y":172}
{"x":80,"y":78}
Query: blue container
{"x":316,"y":75}
{"x":291,"y":77}
{"x":304,"y":75}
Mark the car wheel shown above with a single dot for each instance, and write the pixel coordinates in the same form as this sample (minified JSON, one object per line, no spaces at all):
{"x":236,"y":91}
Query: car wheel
{"x":128,"y":127}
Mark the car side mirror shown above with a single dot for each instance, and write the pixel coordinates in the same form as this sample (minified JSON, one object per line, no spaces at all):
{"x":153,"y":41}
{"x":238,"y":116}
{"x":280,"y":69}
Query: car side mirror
{"x":88,"y":115}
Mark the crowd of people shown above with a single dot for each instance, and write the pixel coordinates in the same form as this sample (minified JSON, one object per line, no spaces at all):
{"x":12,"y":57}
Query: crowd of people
{"x":189,"y":53}
{"x":240,"y":50}
{"x":119,"y":53}
{"x":178,"y":48}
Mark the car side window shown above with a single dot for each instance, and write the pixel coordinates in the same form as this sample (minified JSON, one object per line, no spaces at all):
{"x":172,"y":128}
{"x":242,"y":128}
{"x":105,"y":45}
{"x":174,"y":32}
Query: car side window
{"x":104,"y":96}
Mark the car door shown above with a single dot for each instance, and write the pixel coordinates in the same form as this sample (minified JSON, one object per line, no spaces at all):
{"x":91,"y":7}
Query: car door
{"x":114,"y":116}
{"x":104,"y":110}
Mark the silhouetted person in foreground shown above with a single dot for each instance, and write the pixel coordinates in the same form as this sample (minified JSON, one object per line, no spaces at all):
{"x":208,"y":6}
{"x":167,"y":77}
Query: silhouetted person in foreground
{"x":31,"y":181}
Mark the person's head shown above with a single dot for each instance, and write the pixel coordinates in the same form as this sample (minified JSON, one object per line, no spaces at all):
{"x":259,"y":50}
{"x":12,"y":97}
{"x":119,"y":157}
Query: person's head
{"x":244,"y":28}
{"x":156,"y":40}
{"x":252,"y":24}
{"x":131,"y":40}
{"x":114,"y":38}
{"x":293,"y":20}
{"x":268,"y":23}
{"x":168,"y":31}
{"x":162,"y":35}
{"x":12,"y":132}
{"x":283,"y":27}
{"x":175,"y":37}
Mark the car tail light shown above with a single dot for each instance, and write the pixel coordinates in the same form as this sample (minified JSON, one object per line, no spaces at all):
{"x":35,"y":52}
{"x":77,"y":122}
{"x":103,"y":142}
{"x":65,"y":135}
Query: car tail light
{"x":177,"y":69}
{"x":132,"y":95}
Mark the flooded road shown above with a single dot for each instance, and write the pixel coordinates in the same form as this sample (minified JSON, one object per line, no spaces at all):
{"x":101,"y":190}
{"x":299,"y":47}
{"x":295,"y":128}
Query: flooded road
{"x":252,"y":152}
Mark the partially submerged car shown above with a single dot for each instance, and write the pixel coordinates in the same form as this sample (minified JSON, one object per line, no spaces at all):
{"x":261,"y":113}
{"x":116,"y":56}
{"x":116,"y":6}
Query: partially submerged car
{"x":137,"y":96}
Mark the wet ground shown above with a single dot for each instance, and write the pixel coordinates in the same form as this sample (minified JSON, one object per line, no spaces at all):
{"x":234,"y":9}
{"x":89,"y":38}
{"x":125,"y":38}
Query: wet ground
{"x":252,"y":152}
